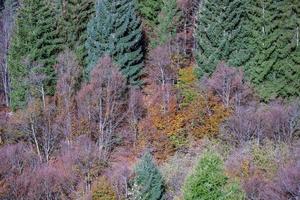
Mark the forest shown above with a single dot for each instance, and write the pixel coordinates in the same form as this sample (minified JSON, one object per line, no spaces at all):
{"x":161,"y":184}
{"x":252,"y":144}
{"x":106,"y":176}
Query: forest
{"x":149,"y":100}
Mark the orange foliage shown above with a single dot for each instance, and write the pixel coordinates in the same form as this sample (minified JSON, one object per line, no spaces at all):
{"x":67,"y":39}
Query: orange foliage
{"x":190,"y":114}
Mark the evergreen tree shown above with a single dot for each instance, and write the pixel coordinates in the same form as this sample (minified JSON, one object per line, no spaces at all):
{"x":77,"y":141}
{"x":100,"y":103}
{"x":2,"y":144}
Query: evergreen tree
{"x":149,"y":10}
{"x":210,"y":35}
{"x":36,"y":41}
{"x":236,"y":24}
{"x":148,"y":182}
{"x":73,"y":18}
{"x":116,"y":30}
{"x":222,"y":33}
{"x":168,"y":19}
{"x":274,"y":68}
{"x":208,"y":181}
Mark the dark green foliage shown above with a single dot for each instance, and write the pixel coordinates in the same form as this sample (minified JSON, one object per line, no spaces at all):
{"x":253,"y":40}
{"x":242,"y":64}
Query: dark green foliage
{"x":210,"y":35}
{"x":148,"y":182}
{"x":168,"y":20}
{"x":236,"y":24}
{"x":222,"y":34}
{"x":208,"y":181}
{"x":261,"y":36}
{"x":35,"y":41}
{"x":116,"y":30}
{"x":74,"y":16}
{"x":274,"y":68}
{"x":149,"y":10}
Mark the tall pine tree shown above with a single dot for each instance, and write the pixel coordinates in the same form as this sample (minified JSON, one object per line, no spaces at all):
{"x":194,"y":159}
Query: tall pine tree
{"x":116,"y":30}
{"x":274,"y":68}
{"x":222,"y":34}
{"x":210,"y":35}
{"x":35,"y":41}
{"x":74,"y":16}
{"x":168,"y":18}
{"x":149,"y":10}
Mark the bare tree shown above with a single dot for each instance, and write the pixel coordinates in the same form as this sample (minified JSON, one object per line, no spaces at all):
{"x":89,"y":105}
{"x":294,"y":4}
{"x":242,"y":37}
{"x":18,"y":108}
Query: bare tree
{"x":103,"y":102}
{"x":276,"y":121}
{"x":162,"y":72}
{"x":189,"y":9}
{"x":229,"y":85}
{"x":69,"y":72}
{"x":18,"y":162}
{"x":6,"y":28}
{"x":81,"y":158}
{"x":136,"y":110}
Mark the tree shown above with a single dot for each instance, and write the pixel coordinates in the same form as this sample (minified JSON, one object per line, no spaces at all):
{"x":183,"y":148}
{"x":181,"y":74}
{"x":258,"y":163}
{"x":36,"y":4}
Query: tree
{"x":274,"y":34}
{"x":102,"y":103}
{"x":69,"y":73}
{"x":73,"y":18}
{"x":7,"y":16}
{"x":116,"y":31}
{"x":168,"y":20}
{"x":149,"y":10}
{"x":222,"y":34}
{"x":148,"y":181}
{"x":35,"y":39}
{"x":210,"y":35}
{"x":229,"y":85}
{"x":208,"y":181}
{"x":102,"y":190}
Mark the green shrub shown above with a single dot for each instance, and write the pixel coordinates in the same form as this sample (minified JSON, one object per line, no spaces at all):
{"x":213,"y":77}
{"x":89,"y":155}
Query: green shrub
{"x":208,"y":181}
{"x":102,"y":190}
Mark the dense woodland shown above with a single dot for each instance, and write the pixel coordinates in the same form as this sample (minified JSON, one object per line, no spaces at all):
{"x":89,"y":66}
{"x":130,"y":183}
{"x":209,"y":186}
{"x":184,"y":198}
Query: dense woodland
{"x":149,"y":99}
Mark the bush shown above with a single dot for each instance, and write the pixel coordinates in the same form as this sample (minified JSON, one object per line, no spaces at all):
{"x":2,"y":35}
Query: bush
{"x":208,"y":181}
{"x":102,"y":190}
{"x":275,"y":121}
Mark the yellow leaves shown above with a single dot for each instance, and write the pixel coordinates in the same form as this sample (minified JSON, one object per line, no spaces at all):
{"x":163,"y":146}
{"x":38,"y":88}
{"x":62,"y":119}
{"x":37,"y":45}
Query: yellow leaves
{"x":102,"y":190}
{"x":187,"y":76}
{"x":245,"y":168}
{"x":190,"y":113}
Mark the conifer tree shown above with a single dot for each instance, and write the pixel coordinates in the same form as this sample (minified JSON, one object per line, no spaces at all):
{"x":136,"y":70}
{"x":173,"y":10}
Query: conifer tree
{"x":148,"y":182}
{"x":274,"y":67}
{"x":73,"y":18}
{"x":222,"y":33}
{"x":168,"y":20}
{"x":210,"y":35}
{"x":116,"y":30}
{"x":208,"y":181}
{"x":236,"y":24}
{"x":149,"y":10}
{"x":36,"y":41}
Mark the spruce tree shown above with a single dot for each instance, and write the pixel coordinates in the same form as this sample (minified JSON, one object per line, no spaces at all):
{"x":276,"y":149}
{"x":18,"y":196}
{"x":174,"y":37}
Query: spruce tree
{"x":74,"y":16}
{"x":149,"y":10}
{"x":222,"y":33}
{"x":210,"y":35}
{"x":274,"y":68}
{"x":36,"y":41}
{"x":168,"y":20}
{"x":148,"y":181}
{"x":116,"y":30}
{"x":236,"y":24}
{"x":209,"y":182}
